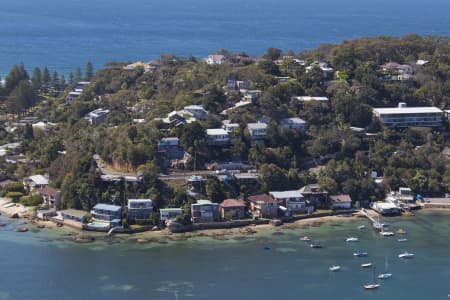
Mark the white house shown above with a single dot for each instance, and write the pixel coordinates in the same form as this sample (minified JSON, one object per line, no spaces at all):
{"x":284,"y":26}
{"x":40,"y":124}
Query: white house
{"x":197,"y":111}
{"x":215,"y":59}
{"x":217,"y":137}
{"x":294,"y":123}
{"x":139,"y":209}
{"x":258,"y":131}
{"x":97,"y":116}
{"x":35,"y":182}
{"x":403,"y":116}
{"x":292,"y":200}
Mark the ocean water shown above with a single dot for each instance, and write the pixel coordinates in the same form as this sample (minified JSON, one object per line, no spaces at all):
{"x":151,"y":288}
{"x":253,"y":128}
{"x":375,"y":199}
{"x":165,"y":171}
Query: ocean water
{"x":44,"y":265}
{"x":66,"y":34}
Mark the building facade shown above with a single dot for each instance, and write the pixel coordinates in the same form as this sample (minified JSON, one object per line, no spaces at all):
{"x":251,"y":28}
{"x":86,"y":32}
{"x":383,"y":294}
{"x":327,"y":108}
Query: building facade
{"x":404,"y":117}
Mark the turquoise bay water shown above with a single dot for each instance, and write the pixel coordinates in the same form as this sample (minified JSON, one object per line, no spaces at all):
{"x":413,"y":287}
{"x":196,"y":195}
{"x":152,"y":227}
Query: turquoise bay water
{"x":65,"y":34}
{"x":42,"y":265}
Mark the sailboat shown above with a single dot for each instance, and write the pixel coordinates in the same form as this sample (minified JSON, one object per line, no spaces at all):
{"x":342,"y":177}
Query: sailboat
{"x":373,"y":285}
{"x":385,"y":275}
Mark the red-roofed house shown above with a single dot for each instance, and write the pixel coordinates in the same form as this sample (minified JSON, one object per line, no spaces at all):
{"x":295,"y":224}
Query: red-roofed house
{"x":263,"y":206}
{"x":51,"y":196}
{"x":341,"y":201}
{"x":231,"y":209}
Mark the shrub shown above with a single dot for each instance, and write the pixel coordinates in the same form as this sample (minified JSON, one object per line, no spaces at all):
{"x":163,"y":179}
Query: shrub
{"x":15,"y":196}
{"x":33,"y":200}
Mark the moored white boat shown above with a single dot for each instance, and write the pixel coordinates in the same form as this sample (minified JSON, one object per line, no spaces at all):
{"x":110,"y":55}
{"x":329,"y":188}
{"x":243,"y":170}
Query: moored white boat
{"x":361,"y":226}
{"x":406,"y":255}
{"x":360,"y":254}
{"x":351,"y":239}
{"x":387,"y":233}
{"x":315,"y":245}
{"x":402,"y":240}
{"x":366,"y":265}
{"x":334,"y":268}
{"x":384,"y":275}
{"x":305,"y":238}
{"x":371,"y":286}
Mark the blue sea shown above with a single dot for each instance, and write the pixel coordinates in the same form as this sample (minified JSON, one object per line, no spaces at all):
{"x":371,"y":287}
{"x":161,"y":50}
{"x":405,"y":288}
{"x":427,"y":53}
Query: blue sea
{"x":66,"y":34}
{"x":272,"y":264}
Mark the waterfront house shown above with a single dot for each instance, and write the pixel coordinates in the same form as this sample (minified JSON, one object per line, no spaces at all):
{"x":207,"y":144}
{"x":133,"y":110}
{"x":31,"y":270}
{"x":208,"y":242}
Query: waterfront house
{"x":169,"y":213}
{"x":405,"y":194}
{"x":315,"y":196}
{"x":97,"y":116}
{"x":294,"y":123}
{"x":107,"y":213}
{"x":404,"y":117}
{"x":232,"y":209}
{"x":341,"y":201}
{"x":204,"y":211}
{"x":74,"y":215}
{"x":51,"y":196}
{"x":35,"y":182}
{"x":139,"y":209}
{"x":257,"y":131}
{"x":215,"y":59}
{"x":263,"y":206}
{"x":217,"y":137}
{"x":386,"y":208}
{"x":293,"y":200}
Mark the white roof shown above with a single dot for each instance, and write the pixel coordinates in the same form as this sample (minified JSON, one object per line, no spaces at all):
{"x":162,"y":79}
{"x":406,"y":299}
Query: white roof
{"x":39,"y":179}
{"x":140,"y":200}
{"x":310,"y":98}
{"x":257,"y":125}
{"x":194,"y":107}
{"x":216,"y":131}
{"x":407,"y":110}
{"x":294,"y":120}
{"x":286,"y":194}
{"x":385,"y":205}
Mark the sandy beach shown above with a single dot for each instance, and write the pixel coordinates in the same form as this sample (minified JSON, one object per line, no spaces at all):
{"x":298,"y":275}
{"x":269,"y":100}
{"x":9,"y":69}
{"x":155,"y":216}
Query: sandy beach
{"x":9,"y":211}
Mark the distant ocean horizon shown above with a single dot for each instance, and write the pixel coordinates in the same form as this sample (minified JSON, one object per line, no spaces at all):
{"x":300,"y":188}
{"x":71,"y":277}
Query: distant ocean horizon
{"x":66,"y":35}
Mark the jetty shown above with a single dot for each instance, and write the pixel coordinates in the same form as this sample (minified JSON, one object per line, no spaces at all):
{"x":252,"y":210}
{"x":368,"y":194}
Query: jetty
{"x":375,"y":223}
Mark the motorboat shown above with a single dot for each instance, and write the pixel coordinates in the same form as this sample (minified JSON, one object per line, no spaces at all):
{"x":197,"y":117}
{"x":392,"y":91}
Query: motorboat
{"x":334,"y":268}
{"x":305,"y":238}
{"x":360,"y":254}
{"x":402,"y":240}
{"x":366,"y":265}
{"x":371,"y":286}
{"x":406,"y":255}
{"x":384,"y":275}
{"x":387,"y":233}
{"x":362,"y":227}
{"x":315,"y":245}
{"x":351,"y":239}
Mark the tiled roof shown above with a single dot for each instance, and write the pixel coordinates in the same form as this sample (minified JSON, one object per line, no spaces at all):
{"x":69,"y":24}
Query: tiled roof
{"x":262,"y":198}
{"x":232,"y":203}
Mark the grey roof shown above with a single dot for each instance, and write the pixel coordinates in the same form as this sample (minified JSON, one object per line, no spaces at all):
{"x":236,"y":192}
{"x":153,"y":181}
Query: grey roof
{"x":286,"y":194}
{"x":109,"y":207}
